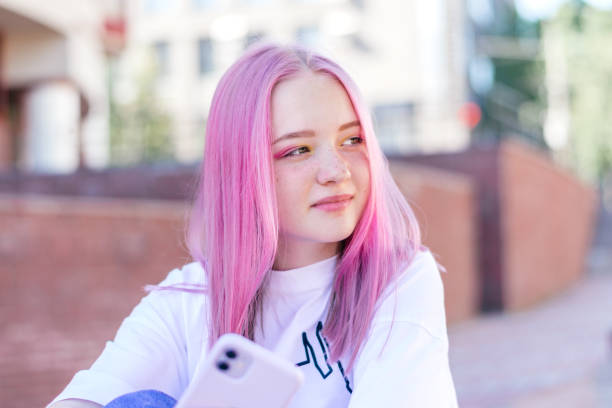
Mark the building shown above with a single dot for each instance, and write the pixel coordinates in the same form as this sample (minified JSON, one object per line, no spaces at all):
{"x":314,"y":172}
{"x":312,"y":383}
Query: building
{"x":53,"y":91}
{"x":406,"y":56}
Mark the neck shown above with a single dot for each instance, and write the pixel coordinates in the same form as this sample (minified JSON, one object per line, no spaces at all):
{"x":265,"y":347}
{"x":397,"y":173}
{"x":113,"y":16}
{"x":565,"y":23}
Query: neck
{"x":291,"y":255}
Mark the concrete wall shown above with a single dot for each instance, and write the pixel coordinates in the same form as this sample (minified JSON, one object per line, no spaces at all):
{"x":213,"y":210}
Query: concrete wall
{"x":30,"y":56}
{"x":47,"y":41}
{"x":131,"y":183}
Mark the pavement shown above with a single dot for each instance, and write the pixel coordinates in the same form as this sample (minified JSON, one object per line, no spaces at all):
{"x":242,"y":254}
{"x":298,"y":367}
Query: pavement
{"x":556,"y":354}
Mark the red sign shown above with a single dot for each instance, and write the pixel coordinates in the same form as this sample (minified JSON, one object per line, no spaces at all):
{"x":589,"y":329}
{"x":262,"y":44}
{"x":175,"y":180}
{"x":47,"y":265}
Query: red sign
{"x":470,"y":114}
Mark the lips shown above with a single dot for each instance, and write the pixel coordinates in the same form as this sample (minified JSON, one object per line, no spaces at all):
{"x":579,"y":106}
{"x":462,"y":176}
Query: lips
{"x":333,"y":199}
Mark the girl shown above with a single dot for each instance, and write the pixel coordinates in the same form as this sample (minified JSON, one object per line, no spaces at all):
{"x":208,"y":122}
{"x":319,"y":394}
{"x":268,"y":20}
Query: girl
{"x":302,"y":242}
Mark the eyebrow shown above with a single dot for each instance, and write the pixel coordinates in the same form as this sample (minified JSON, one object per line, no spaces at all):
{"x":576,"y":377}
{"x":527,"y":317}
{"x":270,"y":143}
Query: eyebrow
{"x":310,"y":133}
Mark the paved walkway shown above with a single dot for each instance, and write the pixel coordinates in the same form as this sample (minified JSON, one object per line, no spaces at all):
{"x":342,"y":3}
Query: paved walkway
{"x":557,"y":354}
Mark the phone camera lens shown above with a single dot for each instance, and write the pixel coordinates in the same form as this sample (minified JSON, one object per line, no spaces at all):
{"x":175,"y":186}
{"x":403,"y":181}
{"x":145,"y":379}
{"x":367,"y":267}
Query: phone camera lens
{"x":231,"y":353}
{"x":223,"y":366}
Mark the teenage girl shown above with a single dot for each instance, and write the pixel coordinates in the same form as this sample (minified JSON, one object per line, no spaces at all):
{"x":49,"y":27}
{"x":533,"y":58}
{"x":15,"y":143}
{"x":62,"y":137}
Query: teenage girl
{"x":302,"y":242}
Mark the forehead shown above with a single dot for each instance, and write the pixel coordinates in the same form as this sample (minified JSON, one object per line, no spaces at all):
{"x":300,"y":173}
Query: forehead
{"x":309,"y":101}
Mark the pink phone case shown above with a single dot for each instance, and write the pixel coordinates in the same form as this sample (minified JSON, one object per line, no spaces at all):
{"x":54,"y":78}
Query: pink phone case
{"x":238,"y":373}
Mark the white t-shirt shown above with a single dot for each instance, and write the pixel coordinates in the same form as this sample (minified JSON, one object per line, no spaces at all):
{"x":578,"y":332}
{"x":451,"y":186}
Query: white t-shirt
{"x":159,"y":344}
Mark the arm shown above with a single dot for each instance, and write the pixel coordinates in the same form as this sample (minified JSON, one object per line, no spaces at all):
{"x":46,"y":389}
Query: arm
{"x":148,"y":352}
{"x":405,"y":363}
{"x":412,"y":370}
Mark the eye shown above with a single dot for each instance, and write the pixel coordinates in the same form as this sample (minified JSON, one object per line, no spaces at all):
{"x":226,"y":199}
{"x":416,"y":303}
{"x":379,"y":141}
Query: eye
{"x":297,"y":152}
{"x":355,"y":140}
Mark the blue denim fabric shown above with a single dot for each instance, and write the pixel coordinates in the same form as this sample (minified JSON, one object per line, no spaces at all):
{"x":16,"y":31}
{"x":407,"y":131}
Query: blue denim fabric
{"x":143,"y":399}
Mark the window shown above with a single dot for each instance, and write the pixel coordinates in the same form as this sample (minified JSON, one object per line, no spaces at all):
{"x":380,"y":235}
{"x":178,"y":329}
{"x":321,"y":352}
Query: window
{"x":162,"y":58}
{"x":205,"y":56}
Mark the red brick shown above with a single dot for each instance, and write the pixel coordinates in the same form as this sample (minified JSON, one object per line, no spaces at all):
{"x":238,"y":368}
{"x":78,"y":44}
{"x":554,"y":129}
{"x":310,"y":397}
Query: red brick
{"x":547,"y":225}
{"x":445,"y":206}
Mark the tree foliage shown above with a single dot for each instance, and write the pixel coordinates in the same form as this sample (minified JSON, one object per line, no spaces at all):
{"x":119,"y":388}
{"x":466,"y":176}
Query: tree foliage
{"x":139,"y":129}
{"x":586,"y":34}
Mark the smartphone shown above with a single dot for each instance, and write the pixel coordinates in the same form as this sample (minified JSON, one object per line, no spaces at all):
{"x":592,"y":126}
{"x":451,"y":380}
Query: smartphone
{"x":237,"y":373}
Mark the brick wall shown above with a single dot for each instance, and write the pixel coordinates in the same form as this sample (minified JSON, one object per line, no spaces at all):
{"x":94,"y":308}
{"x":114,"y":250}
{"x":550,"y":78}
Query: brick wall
{"x":73,"y":267}
{"x":535,"y":221}
{"x":71,"y":270}
{"x":481,"y":165}
{"x":445,"y":205}
{"x":512,"y":230}
{"x":546,"y":227}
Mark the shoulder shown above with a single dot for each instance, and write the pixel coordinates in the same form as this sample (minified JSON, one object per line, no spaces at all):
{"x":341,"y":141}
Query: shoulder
{"x":178,"y":291}
{"x":171,"y":295}
{"x":171,"y":310}
{"x":416,"y":296}
{"x":189,"y":274}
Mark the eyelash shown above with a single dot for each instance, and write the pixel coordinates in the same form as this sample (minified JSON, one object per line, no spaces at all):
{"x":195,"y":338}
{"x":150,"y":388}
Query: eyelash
{"x":290,"y":152}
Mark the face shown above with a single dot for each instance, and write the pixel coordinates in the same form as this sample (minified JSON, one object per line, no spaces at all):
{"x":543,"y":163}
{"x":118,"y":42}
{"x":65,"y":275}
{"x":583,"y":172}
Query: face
{"x":320,"y":160}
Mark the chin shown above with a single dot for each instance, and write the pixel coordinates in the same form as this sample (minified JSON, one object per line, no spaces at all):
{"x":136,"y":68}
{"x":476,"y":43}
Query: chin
{"x":335,"y":234}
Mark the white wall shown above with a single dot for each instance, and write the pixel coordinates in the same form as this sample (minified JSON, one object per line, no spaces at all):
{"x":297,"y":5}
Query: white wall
{"x":33,"y":55}
{"x":51,"y":133}
{"x":87,"y":67}
{"x":60,"y":39}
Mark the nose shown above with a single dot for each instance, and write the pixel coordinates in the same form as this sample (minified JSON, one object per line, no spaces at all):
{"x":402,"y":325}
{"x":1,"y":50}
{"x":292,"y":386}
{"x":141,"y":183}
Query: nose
{"x":332,"y":168}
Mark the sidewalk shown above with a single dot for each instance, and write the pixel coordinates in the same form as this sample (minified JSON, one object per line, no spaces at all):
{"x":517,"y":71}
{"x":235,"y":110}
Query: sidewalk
{"x":556,"y":354}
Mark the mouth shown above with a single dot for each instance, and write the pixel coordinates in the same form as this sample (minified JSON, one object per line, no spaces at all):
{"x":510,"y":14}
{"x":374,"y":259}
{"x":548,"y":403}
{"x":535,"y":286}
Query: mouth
{"x":333,"y":203}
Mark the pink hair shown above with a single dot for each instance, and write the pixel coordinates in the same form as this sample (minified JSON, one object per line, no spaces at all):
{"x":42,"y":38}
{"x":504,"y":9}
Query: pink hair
{"x":233,"y":230}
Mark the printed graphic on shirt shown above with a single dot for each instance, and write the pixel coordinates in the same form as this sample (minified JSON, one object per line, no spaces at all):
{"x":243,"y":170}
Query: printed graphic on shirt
{"x":311,"y":356}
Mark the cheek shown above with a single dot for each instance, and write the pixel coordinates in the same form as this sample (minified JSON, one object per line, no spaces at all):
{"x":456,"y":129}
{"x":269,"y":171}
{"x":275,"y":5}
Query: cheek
{"x":293,"y":176}
{"x":291,"y":186}
{"x":361,"y":173}
{"x":281,"y":195}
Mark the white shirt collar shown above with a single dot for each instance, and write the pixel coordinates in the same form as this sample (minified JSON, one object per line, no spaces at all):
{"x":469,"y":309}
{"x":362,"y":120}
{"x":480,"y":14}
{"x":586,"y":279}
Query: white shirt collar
{"x":310,"y":277}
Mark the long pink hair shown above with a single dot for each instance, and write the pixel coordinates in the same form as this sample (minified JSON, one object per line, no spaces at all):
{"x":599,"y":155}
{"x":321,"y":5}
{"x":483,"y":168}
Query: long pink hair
{"x":233,"y":230}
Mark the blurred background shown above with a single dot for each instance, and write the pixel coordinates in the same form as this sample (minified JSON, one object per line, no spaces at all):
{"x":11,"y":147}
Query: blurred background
{"x":494,"y":115}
